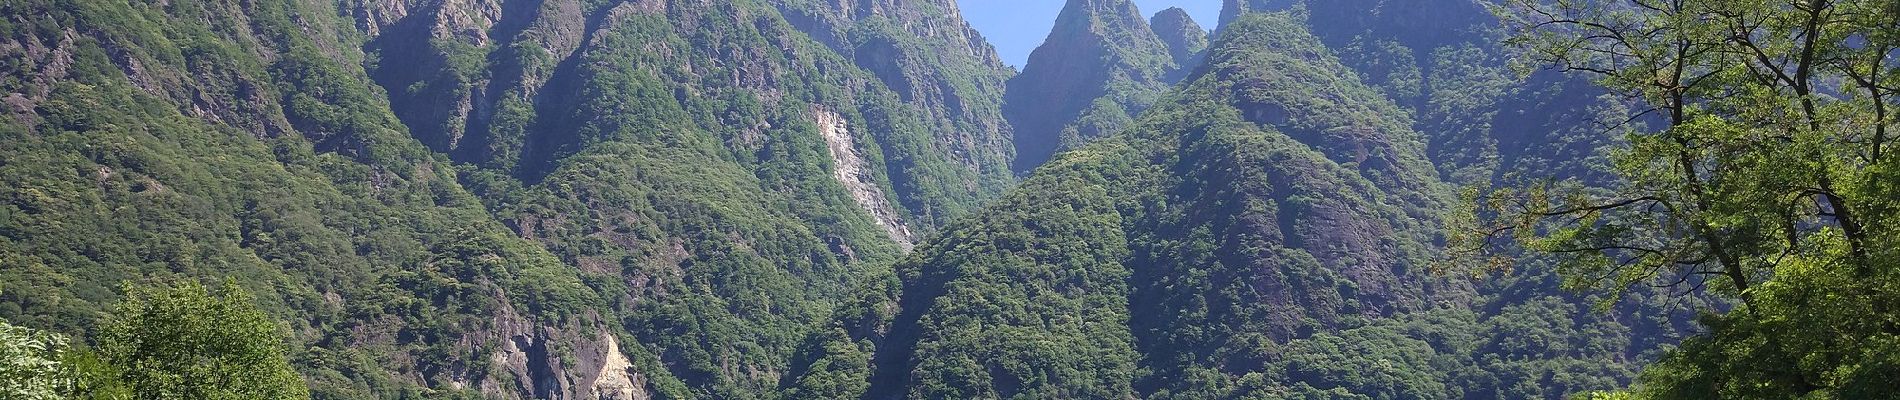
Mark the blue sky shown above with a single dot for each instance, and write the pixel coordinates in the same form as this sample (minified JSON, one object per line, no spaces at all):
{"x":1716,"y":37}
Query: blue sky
{"x":1016,"y":27}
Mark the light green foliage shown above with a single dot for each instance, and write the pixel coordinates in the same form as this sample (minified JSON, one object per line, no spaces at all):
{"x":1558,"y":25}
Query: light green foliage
{"x":92,"y":377}
{"x":190,"y":342}
{"x":30,"y":364}
{"x":1771,"y":182}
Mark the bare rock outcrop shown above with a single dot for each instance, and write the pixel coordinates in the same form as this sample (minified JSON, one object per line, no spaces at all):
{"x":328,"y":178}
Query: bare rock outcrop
{"x":851,"y":170}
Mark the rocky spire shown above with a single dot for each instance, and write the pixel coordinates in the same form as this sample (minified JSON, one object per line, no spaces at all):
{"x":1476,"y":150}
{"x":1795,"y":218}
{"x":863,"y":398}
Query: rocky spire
{"x":1099,"y":67}
{"x":1184,"y":37}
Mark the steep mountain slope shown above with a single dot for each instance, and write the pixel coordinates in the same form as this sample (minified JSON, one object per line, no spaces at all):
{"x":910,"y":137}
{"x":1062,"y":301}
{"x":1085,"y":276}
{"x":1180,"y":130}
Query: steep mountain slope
{"x":925,"y":52}
{"x":490,"y":74}
{"x":1215,"y":214}
{"x":1262,"y":231}
{"x":146,"y":145}
{"x":1185,"y":38}
{"x":1100,"y":67}
{"x":517,"y":199}
{"x":1442,"y":60}
{"x":1233,"y":9}
{"x":630,"y":199}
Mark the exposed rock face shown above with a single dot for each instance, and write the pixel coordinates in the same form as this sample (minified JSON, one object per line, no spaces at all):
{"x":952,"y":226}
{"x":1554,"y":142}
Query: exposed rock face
{"x":434,"y":61}
{"x":243,"y":108}
{"x":617,"y":379}
{"x":46,"y":62}
{"x":849,"y":167}
{"x":471,"y":79}
{"x":1185,"y":38}
{"x":595,"y":370}
{"x":1100,"y":66}
{"x":929,"y":55}
{"x":677,"y":198}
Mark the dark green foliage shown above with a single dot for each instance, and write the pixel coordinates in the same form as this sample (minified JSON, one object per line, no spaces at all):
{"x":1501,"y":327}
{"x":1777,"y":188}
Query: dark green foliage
{"x":836,"y":367}
{"x":1239,"y":257}
{"x":1443,"y":61}
{"x":715,"y":215}
{"x":997,"y":331}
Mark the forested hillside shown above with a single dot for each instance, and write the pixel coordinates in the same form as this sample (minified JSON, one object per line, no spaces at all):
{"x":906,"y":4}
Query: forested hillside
{"x":1264,"y":230}
{"x":491,"y":198}
{"x":818,"y":199}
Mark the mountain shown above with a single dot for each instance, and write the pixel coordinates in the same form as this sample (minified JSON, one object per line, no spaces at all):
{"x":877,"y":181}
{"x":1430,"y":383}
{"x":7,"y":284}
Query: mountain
{"x":1171,"y":260}
{"x":492,"y":198}
{"x":1185,"y":38}
{"x":933,"y":59}
{"x":1100,"y":67}
{"x":926,"y":53}
{"x":766,"y":199}
{"x":1442,"y":60}
{"x":1264,"y":229}
{"x":1233,"y":9}
{"x":246,"y":141}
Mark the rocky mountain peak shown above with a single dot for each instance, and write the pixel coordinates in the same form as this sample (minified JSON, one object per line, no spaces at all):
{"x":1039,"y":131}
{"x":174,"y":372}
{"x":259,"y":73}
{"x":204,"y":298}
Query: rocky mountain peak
{"x":1100,"y":66}
{"x":1184,"y":37}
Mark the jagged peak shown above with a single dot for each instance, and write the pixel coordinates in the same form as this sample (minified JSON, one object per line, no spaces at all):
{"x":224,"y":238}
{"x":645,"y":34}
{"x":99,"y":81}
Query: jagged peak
{"x":1185,"y":37}
{"x":1118,"y":23}
{"x":1100,"y":66}
{"x":1172,"y":14}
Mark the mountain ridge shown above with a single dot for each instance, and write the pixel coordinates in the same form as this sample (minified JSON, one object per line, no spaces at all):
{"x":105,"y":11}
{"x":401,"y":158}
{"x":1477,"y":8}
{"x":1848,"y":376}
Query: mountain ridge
{"x":777,"y":199}
{"x":515,"y":199}
{"x":1100,"y":66}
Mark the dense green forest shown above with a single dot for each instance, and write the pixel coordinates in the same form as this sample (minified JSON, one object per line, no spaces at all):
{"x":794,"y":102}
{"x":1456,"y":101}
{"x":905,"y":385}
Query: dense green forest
{"x":480,"y":199}
{"x":802,"y":199}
